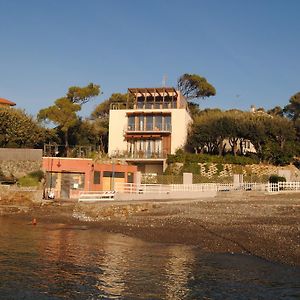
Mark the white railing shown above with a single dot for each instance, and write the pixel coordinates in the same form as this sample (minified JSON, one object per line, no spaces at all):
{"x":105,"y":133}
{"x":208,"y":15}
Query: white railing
{"x":132,"y":188}
{"x":93,"y":196}
{"x":200,"y":187}
{"x":203,"y":187}
{"x":163,"y":188}
{"x":283,"y":186}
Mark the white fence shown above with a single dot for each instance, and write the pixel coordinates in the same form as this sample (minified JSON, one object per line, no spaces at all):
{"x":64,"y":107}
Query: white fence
{"x":130,"y":191}
{"x":283,"y":186}
{"x":93,"y":196}
{"x":204,"y":187}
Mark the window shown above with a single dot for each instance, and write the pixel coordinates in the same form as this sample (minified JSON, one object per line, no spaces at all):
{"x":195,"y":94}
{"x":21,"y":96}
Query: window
{"x":149,"y":150}
{"x":168,"y":123}
{"x":76,"y":180}
{"x":141,"y":123}
{"x":157,"y":105}
{"x":97,"y":176}
{"x":148,"y":105}
{"x":130,"y":147}
{"x":131,"y":123}
{"x":157,"y":148}
{"x":130,"y":178}
{"x":140,"y":105}
{"x":149,"y":123}
{"x":114,"y":174}
{"x":158,"y":123}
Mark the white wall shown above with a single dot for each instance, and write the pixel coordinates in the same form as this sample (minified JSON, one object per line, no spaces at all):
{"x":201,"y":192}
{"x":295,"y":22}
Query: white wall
{"x":117,"y":124}
{"x":180,"y":123}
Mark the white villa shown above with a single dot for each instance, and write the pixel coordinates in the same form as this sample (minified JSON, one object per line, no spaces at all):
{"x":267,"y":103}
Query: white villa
{"x":156,"y":125}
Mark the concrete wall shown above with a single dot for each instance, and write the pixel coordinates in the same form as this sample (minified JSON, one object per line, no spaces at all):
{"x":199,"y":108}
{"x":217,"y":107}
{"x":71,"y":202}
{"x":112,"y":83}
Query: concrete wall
{"x":19,"y":154}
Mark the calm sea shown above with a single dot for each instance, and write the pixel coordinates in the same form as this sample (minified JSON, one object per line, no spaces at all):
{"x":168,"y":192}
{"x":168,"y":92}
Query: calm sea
{"x":58,"y":261}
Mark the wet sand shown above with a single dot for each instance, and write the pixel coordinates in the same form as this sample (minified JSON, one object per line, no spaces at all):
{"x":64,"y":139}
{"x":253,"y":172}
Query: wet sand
{"x":263,"y":225}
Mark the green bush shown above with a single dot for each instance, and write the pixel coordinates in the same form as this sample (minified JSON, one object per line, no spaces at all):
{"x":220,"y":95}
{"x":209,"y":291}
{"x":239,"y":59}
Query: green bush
{"x":207,"y":167}
{"x":31,"y":179}
{"x":220,"y":168}
{"x":184,"y":157}
{"x":190,"y":168}
{"x":27,"y":181}
{"x":39,"y":175}
{"x":275,"y":179}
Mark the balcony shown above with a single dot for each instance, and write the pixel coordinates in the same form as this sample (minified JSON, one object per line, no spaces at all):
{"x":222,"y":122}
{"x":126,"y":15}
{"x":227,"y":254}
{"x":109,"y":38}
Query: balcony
{"x":140,"y":155}
{"x":155,"y":105}
{"x":167,"y":128}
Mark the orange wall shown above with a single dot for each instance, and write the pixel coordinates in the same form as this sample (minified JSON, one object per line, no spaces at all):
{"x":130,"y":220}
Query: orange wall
{"x":86,"y":166}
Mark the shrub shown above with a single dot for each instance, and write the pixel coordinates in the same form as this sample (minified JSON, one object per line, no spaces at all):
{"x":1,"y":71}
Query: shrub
{"x":191,"y":168}
{"x":207,"y":167}
{"x":31,"y":179}
{"x":220,"y":168}
{"x":184,"y":157}
{"x":275,"y":179}
{"x":39,"y":175}
{"x":28,"y":181}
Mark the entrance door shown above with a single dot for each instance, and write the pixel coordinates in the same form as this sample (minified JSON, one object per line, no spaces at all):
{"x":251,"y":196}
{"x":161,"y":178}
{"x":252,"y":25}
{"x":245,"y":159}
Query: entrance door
{"x":65,"y":185}
{"x":106,"y":185}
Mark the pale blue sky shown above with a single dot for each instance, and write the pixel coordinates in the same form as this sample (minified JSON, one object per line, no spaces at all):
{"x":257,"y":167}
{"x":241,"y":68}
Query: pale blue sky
{"x":249,"y":50}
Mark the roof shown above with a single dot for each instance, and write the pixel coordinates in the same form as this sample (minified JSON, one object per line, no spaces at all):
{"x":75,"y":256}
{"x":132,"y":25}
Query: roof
{"x":151,"y":91}
{"x":7,"y":102}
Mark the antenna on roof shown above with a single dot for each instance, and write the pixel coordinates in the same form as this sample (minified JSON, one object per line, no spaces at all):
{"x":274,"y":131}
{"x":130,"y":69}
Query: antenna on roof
{"x":164,"y":80}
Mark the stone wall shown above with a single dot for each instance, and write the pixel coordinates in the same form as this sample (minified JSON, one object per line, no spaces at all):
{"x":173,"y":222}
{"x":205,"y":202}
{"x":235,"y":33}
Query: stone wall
{"x":18,"y":168}
{"x":254,"y":172}
{"x":13,"y":195}
{"x":211,"y":170}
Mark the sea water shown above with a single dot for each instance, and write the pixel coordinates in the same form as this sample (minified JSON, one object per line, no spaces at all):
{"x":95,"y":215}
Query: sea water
{"x":60,"y":261}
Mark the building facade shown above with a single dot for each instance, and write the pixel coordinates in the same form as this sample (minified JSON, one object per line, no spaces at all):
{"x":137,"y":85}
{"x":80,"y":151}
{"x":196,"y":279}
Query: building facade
{"x":154,"y":124}
{"x":67,"y":177}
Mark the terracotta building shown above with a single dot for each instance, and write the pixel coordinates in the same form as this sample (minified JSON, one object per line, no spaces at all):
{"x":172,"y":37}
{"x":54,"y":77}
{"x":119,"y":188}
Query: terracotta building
{"x":67,"y":177}
{"x":6,"y":103}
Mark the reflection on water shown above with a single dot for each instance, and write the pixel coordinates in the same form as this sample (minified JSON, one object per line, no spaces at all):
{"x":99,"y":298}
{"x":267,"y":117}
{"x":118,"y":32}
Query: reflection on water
{"x":60,"y":261}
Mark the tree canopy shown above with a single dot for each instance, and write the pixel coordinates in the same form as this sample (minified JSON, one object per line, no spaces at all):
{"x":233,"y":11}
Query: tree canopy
{"x":62,"y":114}
{"x":293,"y":108}
{"x":193,"y":86}
{"x":82,"y":95}
{"x":102,"y":109}
{"x":17,"y":129}
{"x":272,"y":136}
{"x":64,"y":111}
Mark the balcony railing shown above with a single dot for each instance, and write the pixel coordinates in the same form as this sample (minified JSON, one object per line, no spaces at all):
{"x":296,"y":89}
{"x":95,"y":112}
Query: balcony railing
{"x":140,"y":155}
{"x":133,"y":128}
{"x":155,"y":105}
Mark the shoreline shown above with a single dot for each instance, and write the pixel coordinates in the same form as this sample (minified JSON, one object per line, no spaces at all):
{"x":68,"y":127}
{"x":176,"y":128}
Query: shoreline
{"x":263,"y":225}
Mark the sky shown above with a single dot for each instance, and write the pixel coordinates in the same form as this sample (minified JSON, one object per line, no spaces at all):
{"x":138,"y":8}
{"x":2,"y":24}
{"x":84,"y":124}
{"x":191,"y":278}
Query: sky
{"x":248,"y":50}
